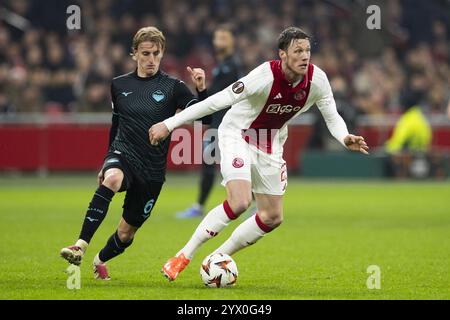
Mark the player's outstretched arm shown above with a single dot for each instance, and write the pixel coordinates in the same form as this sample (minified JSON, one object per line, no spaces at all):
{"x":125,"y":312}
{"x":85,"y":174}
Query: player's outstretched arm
{"x":356,"y":143}
{"x":218,"y":101}
{"x":229,"y":96}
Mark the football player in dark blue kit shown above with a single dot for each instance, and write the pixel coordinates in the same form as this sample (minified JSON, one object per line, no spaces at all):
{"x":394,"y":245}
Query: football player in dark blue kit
{"x":139,"y":99}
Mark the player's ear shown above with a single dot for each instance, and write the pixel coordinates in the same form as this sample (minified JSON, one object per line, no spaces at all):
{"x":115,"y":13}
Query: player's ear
{"x":282,"y":54}
{"x":133,"y":55}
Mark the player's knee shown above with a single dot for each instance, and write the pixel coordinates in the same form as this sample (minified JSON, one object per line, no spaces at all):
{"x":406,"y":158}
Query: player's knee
{"x":276,"y":222}
{"x":113,"y":181}
{"x":272,"y":220}
{"x":125,"y":236}
{"x":240,"y":204}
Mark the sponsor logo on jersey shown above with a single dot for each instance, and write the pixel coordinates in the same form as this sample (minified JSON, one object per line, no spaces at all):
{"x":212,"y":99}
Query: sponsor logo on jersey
{"x":127,"y":93}
{"x":158,"y":96}
{"x":238,"y":87}
{"x":278,"y":96}
{"x":238,"y":162}
{"x":281,"y":109}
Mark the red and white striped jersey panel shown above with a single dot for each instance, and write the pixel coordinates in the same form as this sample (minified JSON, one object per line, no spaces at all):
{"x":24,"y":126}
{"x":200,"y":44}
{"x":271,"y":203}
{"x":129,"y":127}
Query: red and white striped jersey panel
{"x":271,"y":102}
{"x":263,"y":101}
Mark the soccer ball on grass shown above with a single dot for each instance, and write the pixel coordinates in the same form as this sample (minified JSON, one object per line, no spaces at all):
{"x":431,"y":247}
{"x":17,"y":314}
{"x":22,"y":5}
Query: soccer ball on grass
{"x":219,"y":270}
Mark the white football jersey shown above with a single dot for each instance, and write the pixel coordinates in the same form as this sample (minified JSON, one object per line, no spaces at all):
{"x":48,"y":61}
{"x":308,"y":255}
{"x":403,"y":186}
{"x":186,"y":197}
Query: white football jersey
{"x":264,"y":102}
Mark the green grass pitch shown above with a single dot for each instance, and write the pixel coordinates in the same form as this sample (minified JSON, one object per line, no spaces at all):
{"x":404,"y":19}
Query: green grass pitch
{"x":332,"y":232}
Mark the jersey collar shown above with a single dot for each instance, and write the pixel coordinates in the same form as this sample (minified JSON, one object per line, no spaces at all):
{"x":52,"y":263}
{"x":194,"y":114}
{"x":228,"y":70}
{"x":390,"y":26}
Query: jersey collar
{"x":135,"y":74}
{"x":302,"y":84}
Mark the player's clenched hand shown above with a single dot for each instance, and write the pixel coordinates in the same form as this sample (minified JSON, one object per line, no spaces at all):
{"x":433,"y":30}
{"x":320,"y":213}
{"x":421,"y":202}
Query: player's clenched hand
{"x":157,"y":133}
{"x":356,"y":143}
{"x":198,"y":77}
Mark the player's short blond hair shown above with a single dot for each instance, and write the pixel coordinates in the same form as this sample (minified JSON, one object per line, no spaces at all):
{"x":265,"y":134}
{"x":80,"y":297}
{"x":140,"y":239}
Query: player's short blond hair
{"x":151,"y":34}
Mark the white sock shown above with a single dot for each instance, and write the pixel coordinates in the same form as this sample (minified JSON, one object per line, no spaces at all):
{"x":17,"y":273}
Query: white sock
{"x":97,"y":260}
{"x":216,"y":220}
{"x":247,"y":233}
{"x":82,"y":244}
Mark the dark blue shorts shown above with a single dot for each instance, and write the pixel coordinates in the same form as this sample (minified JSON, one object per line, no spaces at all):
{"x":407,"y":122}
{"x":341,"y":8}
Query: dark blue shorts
{"x":141,"y":196}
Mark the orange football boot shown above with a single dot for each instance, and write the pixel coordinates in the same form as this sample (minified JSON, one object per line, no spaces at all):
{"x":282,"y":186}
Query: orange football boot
{"x":174,"y":266}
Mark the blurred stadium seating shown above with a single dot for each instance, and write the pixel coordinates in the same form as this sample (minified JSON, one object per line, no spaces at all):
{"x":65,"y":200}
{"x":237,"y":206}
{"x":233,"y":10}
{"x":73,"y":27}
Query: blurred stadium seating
{"x":54,"y":82}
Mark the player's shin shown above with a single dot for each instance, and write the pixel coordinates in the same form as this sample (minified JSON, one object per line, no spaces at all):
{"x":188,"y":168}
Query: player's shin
{"x":247,"y":233}
{"x":214,"y":222}
{"x":114,"y":246}
{"x":98,"y":207}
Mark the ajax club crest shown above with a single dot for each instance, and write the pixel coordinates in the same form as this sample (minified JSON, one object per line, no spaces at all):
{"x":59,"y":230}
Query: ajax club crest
{"x":300,"y":95}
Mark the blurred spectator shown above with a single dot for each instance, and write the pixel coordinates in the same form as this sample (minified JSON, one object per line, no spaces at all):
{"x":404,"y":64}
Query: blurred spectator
{"x":448,"y":109}
{"x":6,"y":105}
{"x":66,"y":71}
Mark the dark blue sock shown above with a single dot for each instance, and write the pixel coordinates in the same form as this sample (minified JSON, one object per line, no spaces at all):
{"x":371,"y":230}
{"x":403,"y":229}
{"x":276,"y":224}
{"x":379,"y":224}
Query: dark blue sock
{"x":113,"y":247}
{"x":96,"y":212}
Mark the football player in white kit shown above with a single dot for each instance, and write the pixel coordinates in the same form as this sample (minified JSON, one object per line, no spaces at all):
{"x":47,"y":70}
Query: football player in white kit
{"x":251,"y":138}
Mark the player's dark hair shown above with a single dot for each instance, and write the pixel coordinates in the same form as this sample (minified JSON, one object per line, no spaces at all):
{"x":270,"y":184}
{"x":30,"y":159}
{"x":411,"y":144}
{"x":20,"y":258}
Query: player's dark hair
{"x":288,"y":35}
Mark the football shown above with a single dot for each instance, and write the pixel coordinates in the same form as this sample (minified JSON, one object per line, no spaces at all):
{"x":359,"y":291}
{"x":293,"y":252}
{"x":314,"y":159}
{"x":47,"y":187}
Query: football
{"x":219,"y":270}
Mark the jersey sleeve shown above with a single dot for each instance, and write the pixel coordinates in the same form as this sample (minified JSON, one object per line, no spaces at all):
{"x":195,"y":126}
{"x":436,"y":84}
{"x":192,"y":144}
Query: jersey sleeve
{"x":183,"y":96}
{"x":327,"y":106}
{"x":115,"y":117}
{"x":251,"y":84}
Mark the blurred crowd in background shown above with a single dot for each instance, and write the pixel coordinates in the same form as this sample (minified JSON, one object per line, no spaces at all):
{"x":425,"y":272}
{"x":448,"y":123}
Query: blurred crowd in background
{"x":44,"y":67}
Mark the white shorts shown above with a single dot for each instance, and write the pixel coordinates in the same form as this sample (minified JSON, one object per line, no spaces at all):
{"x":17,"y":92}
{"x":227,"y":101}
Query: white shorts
{"x":242,"y":161}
